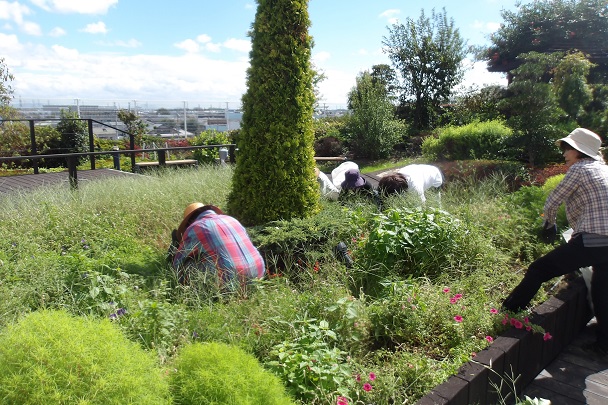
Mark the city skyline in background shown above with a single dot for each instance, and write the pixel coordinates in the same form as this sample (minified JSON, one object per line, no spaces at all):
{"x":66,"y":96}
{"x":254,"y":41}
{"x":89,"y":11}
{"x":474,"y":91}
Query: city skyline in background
{"x":106,"y":51}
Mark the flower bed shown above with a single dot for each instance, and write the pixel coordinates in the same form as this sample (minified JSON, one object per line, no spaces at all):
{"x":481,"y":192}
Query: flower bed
{"x":517,"y":352}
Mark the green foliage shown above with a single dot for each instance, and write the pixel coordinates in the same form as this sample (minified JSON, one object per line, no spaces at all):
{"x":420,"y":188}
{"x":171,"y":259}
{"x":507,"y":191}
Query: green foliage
{"x":310,"y":365}
{"x":477,"y":140}
{"x":534,"y":109}
{"x":543,"y":26}
{"x":217,"y":373}
{"x":209,"y":137}
{"x":439,"y":320}
{"x":135,"y":125}
{"x":570,"y":83}
{"x":373,"y":128}
{"x":100,"y":252}
{"x":51,"y":357}
{"x":276,"y":139}
{"x":477,"y":105}
{"x":74,"y":133}
{"x":6,"y":89}
{"x":427,"y":53}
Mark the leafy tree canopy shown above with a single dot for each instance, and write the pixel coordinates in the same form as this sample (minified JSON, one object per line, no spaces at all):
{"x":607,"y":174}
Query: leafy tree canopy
{"x":427,"y":53}
{"x":548,"y":26}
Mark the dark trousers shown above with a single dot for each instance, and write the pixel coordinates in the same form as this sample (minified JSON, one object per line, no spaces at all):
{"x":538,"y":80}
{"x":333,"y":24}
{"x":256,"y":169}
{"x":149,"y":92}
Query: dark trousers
{"x":563,"y":260}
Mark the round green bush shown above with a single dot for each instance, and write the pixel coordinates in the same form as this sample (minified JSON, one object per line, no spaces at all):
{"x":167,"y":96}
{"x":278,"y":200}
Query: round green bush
{"x":217,"y":373}
{"x":52,"y":357}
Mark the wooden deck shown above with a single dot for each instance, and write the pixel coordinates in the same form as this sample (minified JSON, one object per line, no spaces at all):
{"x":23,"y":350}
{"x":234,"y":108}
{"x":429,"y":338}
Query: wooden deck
{"x":26,"y":182}
{"x":574,"y":377}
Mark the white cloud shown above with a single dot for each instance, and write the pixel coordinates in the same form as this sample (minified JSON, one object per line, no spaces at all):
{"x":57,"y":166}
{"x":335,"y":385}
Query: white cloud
{"x":96,"y":28}
{"x":13,"y":11}
{"x":188,"y":45}
{"x":31,"y":28}
{"x":131,"y":43}
{"x":240,"y":45}
{"x":57,"y":32}
{"x":320,"y":57}
{"x":9,"y":43}
{"x":65,"y":53}
{"x":75,"y":6}
{"x":390,"y":15}
{"x":203,"y":38}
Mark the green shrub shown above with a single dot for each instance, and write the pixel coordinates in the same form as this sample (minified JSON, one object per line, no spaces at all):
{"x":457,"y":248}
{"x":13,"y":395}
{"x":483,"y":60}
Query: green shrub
{"x":274,"y":177}
{"x":478,"y":140}
{"x":217,"y":373}
{"x":51,"y":357}
{"x":311,"y":365}
{"x":419,"y":242}
{"x":209,"y":137}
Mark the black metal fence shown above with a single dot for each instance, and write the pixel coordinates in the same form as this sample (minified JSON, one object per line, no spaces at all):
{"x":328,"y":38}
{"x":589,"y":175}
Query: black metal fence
{"x":72,"y":158}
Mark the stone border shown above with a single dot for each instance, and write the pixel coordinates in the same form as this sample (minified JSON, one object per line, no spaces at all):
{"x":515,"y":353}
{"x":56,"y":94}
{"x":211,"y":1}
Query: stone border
{"x":517,"y":352}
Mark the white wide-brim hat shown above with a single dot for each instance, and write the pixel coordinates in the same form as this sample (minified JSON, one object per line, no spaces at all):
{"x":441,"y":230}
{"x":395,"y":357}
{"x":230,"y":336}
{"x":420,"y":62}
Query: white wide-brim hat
{"x":584,"y":141}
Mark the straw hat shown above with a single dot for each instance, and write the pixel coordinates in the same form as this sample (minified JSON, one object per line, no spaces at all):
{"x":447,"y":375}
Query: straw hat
{"x":584,"y":141}
{"x":191,"y":212}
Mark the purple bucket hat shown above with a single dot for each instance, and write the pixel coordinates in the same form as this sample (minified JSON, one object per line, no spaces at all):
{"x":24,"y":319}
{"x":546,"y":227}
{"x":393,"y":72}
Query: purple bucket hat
{"x":353,"y":179}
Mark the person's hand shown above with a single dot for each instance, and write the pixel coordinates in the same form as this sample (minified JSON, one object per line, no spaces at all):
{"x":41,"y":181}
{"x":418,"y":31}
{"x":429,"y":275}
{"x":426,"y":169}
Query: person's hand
{"x":173,"y":247}
{"x":549,"y":233}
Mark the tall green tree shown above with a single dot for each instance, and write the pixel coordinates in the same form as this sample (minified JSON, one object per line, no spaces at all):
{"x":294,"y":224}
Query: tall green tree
{"x":6,"y":89}
{"x":548,"y":26}
{"x":534,"y":113}
{"x":372,"y":126}
{"x":74,"y":133}
{"x":427,"y":53}
{"x":135,"y":125}
{"x":274,"y":175}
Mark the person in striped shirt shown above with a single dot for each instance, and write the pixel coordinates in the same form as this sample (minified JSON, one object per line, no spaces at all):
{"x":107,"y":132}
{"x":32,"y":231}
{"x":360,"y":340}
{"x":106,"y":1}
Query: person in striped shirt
{"x":216,"y":245}
{"x":584,"y":190}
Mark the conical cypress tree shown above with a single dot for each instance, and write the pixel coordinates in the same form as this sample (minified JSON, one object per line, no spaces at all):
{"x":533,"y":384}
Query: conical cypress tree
{"x":274,"y":176}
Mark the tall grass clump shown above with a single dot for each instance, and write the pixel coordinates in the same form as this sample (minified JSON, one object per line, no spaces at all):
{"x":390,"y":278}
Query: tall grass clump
{"x":217,"y":373}
{"x":51,"y":357}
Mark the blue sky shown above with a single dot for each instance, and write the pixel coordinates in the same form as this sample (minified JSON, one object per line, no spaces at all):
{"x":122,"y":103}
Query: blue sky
{"x":198,"y":50}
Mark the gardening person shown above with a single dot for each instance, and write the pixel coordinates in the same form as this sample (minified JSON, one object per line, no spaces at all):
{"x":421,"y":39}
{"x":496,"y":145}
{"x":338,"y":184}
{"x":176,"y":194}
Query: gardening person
{"x":584,"y":190}
{"x":328,"y":189}
{"x":209,"y":241}
{"x":415,"y":177}
{"x":355,"y":185}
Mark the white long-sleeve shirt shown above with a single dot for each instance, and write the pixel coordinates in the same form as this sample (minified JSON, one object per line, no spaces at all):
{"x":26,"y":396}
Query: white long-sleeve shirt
{"x":421,"y":177}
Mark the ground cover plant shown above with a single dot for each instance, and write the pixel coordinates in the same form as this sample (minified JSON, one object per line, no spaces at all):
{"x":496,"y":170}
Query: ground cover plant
{"x":421,"y":298}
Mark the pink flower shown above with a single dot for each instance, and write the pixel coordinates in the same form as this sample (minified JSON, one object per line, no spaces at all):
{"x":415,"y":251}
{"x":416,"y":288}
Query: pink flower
{"x":547,"y":336}
{"x":458,"y":296}
{"x":490,"y":339}
{"x":513,"y":320}
{"x":505,"y":320}
{"x":372,"y":376}
{"x":528,"y":328}
{"x":518,"y":324}
{"x":453,"y":300}
{"x":446,"y":290}
{"x":458,"y":318}
{"x":342,"y":401}
{"x":358,"y":377}
{"x":494,"y":311}
{"x":526,"y":320}
{"x":367,"y":387}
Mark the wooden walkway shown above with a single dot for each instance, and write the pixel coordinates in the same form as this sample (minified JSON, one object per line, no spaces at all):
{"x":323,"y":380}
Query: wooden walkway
{"x":574,"y":377}
{"x":26,"y":182}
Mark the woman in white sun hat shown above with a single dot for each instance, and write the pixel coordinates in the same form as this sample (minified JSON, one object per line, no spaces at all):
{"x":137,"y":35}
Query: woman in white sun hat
{"x":584,"y":190}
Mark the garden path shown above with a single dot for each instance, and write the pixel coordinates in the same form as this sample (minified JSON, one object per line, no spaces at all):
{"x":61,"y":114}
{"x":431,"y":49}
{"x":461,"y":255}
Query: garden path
{"x":573,"y":377}
{"x":27,"y":182}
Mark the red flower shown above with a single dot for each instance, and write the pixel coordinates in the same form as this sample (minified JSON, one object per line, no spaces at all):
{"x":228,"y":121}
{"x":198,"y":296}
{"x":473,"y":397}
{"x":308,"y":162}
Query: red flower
{"x":341,"y":401}
{"x":367,"y":387}
{"x":547,"y":336}
{"x":372,"y":376}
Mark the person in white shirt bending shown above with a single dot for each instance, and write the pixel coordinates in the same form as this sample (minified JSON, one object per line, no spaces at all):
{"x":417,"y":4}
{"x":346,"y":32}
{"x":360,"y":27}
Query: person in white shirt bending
{"x":416,"y":177}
